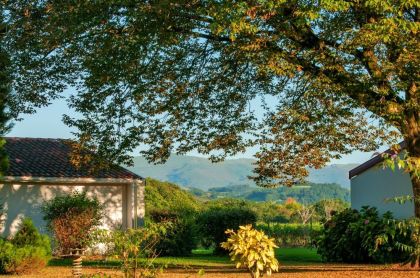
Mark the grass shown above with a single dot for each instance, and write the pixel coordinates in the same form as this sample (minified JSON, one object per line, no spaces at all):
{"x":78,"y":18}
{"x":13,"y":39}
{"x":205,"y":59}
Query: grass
{"x":297,"y":256}
{"x":205,"y":258}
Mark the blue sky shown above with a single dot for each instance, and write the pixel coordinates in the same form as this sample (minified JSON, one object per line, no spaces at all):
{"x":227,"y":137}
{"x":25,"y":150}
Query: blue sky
{"x":47,"y":124}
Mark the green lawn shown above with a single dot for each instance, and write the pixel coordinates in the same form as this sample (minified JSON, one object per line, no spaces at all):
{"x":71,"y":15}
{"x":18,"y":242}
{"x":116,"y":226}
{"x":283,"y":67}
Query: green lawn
{"x":292,"y":256}
{"x":204,"y":258}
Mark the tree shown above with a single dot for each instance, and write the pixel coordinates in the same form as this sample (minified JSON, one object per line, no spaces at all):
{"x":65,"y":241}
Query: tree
{"x":332,"y":77}
{"x":325,"y":208}
{"x":4,"y":97}
{"x":305,"y":212}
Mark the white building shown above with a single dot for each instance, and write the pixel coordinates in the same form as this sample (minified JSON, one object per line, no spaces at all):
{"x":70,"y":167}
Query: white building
{"x":372,"y":185}
{"x":40,"y":169}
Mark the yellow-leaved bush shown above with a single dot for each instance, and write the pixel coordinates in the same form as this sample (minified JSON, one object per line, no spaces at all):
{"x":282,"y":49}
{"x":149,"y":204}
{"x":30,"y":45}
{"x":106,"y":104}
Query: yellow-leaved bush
{"x":252,"y":249}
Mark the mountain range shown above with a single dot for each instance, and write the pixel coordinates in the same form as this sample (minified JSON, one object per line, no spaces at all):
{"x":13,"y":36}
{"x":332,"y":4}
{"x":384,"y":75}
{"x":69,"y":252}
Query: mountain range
{"x":198,"y":172}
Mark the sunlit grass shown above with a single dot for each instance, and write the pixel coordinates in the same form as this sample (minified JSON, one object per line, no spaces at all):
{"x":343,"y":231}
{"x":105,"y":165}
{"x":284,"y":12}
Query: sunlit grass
{"x":205,"y":258}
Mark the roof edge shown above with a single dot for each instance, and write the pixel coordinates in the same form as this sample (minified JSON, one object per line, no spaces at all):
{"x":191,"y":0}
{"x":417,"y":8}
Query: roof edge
{"x":372,"y":162}
{"x":75,"y":181}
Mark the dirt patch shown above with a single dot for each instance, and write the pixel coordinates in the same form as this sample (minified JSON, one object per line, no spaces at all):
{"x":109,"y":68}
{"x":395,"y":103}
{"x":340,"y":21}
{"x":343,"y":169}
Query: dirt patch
{"x":359,"y":271}
{"x":330,"y":270}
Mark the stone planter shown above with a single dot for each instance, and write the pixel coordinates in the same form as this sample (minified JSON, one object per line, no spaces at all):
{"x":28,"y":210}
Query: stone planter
{"x":76,"y":254}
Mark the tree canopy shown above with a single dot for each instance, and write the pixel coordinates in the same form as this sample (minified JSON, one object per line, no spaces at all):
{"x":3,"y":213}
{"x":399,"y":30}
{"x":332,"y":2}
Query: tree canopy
{"x":174,"y":76}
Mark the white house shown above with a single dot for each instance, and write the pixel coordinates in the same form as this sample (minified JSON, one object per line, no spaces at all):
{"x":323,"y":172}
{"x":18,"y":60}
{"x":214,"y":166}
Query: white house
{"x":372,"y":184}
{"x":40,"y":169}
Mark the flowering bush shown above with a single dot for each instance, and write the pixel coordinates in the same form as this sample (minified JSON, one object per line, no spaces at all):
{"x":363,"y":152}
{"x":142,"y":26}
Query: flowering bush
{"x":252,"y":249}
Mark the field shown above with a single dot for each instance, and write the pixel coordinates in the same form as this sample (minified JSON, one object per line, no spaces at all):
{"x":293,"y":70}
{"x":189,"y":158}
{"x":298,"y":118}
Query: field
{"x":295,"y":262}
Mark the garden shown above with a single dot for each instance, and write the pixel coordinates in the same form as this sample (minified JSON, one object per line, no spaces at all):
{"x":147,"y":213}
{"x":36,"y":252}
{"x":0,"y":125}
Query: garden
{"x":187,"y":237}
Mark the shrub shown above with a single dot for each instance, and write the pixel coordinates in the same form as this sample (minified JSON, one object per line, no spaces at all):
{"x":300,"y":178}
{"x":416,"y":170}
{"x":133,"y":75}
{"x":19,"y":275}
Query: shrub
{"x":168,"y":196}
{"x":350,"y":236}
{"x":28,"y":234}
{"x":409,"y":227}
{"x":252,"y":249}
{"x":181,"y":239}
{"x":213,"y":222}
{"x":27,"y":251}
{"x":292,"y":234}
{"x":131,"y":245}
{"x":71,"y":219}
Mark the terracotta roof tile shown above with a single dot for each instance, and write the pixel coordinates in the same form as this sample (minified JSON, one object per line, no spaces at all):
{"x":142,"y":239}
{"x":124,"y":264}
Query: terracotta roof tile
{"x":42,"y":157}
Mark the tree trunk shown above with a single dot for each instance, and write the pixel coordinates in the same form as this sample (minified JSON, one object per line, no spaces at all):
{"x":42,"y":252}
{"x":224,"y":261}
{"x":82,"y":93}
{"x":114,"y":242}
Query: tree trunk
{"x":414,"y":152}
{"x":411,"y":132}
{"x":412,"y":140}
{"x":416,"y":190}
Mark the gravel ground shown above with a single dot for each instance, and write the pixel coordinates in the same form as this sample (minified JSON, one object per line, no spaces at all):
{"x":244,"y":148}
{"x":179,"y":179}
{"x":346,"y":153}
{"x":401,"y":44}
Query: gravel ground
{"x":330,"y":270}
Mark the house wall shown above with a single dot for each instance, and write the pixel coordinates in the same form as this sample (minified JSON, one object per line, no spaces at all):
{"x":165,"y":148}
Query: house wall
{"x":25,"y":200}
{"x":376,"y":184}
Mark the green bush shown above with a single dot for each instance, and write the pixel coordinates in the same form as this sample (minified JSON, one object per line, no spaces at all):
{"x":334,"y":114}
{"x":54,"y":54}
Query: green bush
{"x":71,"y":219}
{"x":252,"y":249}
{"x":219,"y":217}
{"x":291,"y":234}
{"x":181,"y":239}
{"x":28,"y":234}
{"x":350,"y":236}
{"x":27,"y":251}
{"x":168,"y":196}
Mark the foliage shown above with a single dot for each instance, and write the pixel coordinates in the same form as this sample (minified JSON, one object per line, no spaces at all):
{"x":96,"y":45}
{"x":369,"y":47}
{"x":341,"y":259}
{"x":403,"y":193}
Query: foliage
{"x":305,"y":212}
{"x":292,"y":235}
{"x":409,"y":227}
{"x":221,"y":216}
{"x":28,"y":235}
{"x":350,"y":236}
{"x":5,"y":92}
{"x":18,"y":260}
{"x":72,"y":218}
{"x":178,"y":76}
{"x":303,"y":193}
{"x":326,"y":208}
{"x":269,"y":212}
{"x":26,"y":252}
{"x":395,"y":158}
{"x":168,"y":203}
{"x":181,"y":239}
{"x":131,"y":245}
{"x":252,"y":249}
{"x":168,"y":196}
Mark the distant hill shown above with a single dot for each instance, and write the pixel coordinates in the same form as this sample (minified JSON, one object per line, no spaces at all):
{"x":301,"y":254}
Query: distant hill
{"x":191,"y":171}
{"x":334,"y":173}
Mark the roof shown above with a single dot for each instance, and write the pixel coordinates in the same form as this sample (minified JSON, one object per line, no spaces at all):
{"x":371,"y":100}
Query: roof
{"x":372,"y":162}
{"x":50,"y":158}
